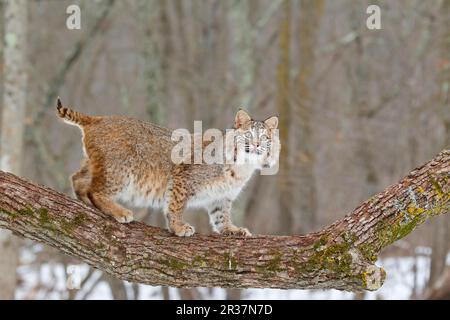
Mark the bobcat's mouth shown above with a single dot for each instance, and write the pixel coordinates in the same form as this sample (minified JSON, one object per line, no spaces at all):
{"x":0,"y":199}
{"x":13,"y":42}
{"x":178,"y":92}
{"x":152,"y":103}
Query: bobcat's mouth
{"x":253,"y":149}
{"x":257,"y":151}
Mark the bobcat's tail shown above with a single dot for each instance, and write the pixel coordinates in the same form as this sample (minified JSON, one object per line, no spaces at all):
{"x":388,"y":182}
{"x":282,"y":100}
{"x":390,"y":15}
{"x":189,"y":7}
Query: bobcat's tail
{"x":72,"y":117}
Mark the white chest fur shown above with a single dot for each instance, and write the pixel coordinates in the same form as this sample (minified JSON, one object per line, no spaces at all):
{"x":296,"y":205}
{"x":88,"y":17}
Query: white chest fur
{"x":229,"y":187}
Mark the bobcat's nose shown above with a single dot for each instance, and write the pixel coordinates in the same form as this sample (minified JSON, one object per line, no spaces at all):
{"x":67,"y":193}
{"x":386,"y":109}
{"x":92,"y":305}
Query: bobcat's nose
{"x":254,"y":147}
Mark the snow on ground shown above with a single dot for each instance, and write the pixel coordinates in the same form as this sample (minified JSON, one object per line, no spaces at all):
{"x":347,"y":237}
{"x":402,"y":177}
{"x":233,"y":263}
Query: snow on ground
{"x":400,"y":282}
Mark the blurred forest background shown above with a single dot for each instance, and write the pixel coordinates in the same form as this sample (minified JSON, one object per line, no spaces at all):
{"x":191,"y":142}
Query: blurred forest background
{"x":358,"y":110}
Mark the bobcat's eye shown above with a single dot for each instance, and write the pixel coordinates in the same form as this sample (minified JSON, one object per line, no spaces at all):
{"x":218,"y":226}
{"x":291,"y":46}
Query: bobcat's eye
{"x":248,"y":135}
{"x":263,"y":138}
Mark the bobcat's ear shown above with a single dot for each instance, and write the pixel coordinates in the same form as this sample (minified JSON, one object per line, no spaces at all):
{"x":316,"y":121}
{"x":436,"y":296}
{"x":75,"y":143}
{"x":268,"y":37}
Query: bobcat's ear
{"x":272,"y":122}
{"x":241,"y":119}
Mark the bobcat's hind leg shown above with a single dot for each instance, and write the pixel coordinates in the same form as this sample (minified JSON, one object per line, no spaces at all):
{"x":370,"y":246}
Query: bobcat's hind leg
{"x":106,"y":204}
{"x":102,"y":197}
{"x":81,"y":182}
{"x":220,"y":219}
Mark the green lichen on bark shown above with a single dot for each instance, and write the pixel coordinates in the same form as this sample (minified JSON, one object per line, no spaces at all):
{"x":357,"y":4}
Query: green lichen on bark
{"x":373,"y":278}
{"x":11,"y":215}
{"x":70,"y":225}
{"x":41,"y":214}
{"x":57,"y":226}
{"x":411,"y":215}
{"x":437,"y":187}
{"x":368,"y":252}
{"x":334,"y":257}
{"x":199,"y":261}
{"x":27,"y":210}
{"x":272,"y":265}
{"x":175,"y":264}
{"x":44,"y":218}
{"x":320,"y":243}
{"x":338,"y":259}
{"x":46,"y":221}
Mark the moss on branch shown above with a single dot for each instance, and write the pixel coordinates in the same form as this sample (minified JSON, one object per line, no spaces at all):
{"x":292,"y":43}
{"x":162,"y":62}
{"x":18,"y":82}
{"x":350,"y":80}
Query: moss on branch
{"x":341,"y":256}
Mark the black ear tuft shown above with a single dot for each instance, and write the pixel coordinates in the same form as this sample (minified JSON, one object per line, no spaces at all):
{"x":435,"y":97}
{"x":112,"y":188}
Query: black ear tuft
{"x":58,"y":103}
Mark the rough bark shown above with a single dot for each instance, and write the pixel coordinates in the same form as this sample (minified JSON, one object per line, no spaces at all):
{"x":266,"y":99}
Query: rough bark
{"x":13,"y":113}
{"x":341,"y":256}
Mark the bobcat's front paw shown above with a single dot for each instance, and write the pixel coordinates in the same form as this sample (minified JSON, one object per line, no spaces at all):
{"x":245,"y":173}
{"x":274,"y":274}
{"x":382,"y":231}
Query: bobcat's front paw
{"x":124,"y":216}
{"x":183,"y":230}
{"x":236,"y":231}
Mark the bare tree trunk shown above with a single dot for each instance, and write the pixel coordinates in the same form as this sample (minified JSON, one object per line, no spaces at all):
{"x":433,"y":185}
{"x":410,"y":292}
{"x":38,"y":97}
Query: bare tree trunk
{"x":445,"y":74}
{"x":118,"y":289}
{"x":234,"y":294}
{"x":284,"y":108}
{"x":360,"y":101}
{"x":303,"y":171}
{"x":441,"y":234}
{"x":441,"y":289}
{"x":165,"y":293}
{"x":441,"y":239}
{"x":189,"y":294}
{"x":14,"y":104}
{"x":297,"y":156}
{"x":341,"y":256}
{"x":150,"y":11}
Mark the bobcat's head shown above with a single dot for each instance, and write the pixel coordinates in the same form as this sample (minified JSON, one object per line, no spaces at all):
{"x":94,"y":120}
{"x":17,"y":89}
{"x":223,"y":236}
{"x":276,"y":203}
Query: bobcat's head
{"x":256,"y":142}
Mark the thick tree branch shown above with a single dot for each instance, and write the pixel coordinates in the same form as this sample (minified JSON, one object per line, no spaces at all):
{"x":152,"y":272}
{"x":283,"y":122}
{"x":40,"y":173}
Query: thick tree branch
{"x":341,"y":256}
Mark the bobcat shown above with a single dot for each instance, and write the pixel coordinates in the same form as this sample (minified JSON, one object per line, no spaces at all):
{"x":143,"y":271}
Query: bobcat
{"x":129,"y":160}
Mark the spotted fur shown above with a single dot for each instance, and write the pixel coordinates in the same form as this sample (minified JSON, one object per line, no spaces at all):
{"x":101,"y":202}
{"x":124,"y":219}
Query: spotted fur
{"x":129,"y":160}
